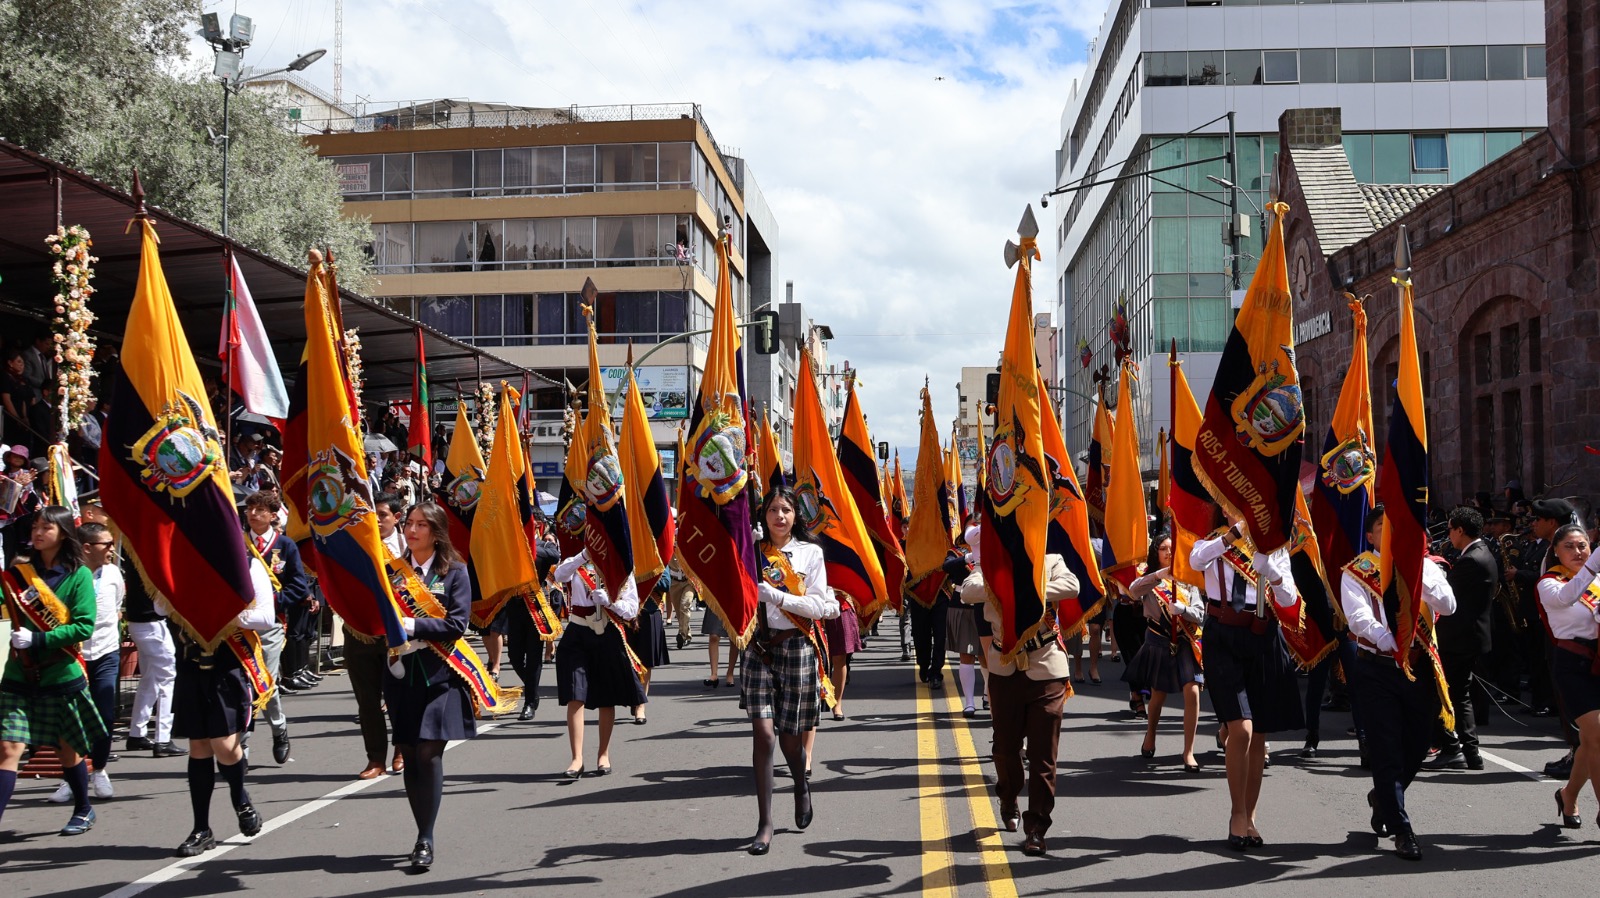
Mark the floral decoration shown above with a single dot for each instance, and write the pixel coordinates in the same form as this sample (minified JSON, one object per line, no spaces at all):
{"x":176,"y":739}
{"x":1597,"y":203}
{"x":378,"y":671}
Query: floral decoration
{"x":352,"y":363}
{"x":485,"y":415}
{"x":71,"y":274}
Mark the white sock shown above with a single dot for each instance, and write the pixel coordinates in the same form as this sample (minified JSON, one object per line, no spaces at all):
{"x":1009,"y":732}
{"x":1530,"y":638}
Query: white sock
{"x":966,"y":675}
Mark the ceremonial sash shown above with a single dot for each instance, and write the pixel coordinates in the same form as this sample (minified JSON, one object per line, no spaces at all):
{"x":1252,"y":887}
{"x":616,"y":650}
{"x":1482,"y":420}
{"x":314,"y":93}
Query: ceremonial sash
{"x":1179,"y":629}
{"x":545,"y":620}
{"x":246,"y":646}
{"x":34,"y":601}
{"x":1237,"y":558}
{"x":417,"y":600}
{"x":272,"y":575}
{"x":779,"y":573}
{"x":1590,"y":599}
{"x":1366,"y":571}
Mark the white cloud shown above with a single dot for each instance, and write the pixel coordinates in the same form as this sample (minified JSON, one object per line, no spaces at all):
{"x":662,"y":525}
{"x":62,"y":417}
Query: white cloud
{"x":897,"y":143}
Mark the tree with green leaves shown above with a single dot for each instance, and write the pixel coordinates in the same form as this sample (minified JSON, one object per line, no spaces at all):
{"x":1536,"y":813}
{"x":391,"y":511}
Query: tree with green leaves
{"x":110,"y":87}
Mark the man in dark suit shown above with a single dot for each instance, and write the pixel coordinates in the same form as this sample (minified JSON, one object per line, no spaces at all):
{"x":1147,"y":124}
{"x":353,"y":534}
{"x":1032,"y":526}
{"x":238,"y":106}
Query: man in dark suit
{"x":1464,"y":637}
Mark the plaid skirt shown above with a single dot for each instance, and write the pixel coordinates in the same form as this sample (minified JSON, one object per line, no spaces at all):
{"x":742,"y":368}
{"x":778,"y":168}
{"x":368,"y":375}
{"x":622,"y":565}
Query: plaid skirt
{"x":786,"y":692}
{"x":48,"y":720}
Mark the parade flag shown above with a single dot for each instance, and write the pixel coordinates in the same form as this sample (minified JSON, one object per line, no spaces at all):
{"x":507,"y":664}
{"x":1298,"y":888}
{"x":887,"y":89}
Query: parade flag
{"x":650,"y":525}
{"x":351,"y":562}
{"x":163,"y":471}
{"x":715,"y":543}
{"x":462,"y":485}
{"x":501,"y":555}
{"x":1127,"y":530}
{"x":604,"y":488}
{"x":249,"y":365}
{"x":861,"y":477}
{"x":1016,"y":513}
{"x":1099,"y":451}
{"x":1342,"y":495}
{"x":827,"y":505}
{"x":1250,"y":438}
{"x":960,"y":515}
{"x":419,"y":437}
{"x":1069,"y":529}
{"x":1403,"y":482}
{"x":769,"y":457}
{"x":928,"y":541}
{"x":1163,"y":473}
{"x":1307,"y":625}
{"x":1192,"y":513}
{"x":899,"y":513}
{"x":571,"y":514}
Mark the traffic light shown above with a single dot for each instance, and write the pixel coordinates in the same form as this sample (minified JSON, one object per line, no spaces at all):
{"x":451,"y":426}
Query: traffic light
{"x":991,"y":385}
{"x":766,"y":331}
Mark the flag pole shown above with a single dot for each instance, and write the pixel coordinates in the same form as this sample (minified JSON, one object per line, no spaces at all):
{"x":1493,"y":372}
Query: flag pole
{"x":229,"y":310}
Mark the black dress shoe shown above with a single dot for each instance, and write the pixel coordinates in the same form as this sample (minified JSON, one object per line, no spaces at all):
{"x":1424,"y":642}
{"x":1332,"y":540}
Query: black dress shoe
{"x":1310,"y":750}
{"x":803,"y":812}
{"x":422,"y":854}
{"x":1033,"y":844}
{"x":1238,"y":843}
{"x":1406,"y":847}
{"x":1010,"y":818}
{"x":285,"y":687}
{"x":1568,"y":821}
{"x":1147,"y":753}
{"x":280,"y":745}
{"x":758,"y":847}
{"x":1474,"y":762}
{"x":1454,"y":760}
{"x":904,"y":657}
{"x":1543,"y":711}
{"x":199,"y":842}
{"x":1559,"y":769}
{"x":527,"y":712}
{"x":573,"y":774}
{"x":249,"y":820}
{"x":139,"y":743}
{"x":602,"y":770}
{"x":1378,"y":826}
{"x":168,"y":750}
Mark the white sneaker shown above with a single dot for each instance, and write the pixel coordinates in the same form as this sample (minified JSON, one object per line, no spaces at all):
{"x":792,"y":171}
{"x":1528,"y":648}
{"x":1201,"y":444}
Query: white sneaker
{"x":63,"y":794}
{"x":100,"y":785}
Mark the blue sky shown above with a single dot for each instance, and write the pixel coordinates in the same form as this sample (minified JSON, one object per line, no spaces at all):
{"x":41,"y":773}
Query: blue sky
{"x":897,"y":143}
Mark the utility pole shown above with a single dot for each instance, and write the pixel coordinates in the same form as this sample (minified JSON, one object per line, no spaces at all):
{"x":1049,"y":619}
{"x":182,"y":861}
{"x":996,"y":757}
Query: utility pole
{"x":1233,"y":199}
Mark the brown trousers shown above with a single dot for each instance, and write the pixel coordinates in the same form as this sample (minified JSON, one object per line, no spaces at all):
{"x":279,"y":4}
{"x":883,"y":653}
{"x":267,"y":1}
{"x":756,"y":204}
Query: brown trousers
{"x":367,"y":664}
{"x":1023,"y":709}
{"x":679,"y":593}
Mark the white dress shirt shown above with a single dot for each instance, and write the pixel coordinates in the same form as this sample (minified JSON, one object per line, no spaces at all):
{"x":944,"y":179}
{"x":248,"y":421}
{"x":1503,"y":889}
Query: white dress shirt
{"x":109,"y":591}
{"x":1363,"y":611}
{"x":260,"y":614}
{"x":1569,"y":618}
{"x":1274,"y":568}
{"x":817,"y":602}
{"x":579,"y":595}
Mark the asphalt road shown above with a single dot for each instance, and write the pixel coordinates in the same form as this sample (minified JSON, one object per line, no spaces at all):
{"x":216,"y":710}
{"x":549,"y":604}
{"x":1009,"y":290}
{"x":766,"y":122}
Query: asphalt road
{"x":902,"y":803}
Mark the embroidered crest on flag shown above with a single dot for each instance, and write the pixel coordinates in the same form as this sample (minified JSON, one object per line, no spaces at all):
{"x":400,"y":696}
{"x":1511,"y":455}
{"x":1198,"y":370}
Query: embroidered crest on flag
{"x":337,"y":495}
{"x":1350,"y":465}
{"x":719,"y":459}
{"x":1270,"y":415}
{"x":176,"y":455}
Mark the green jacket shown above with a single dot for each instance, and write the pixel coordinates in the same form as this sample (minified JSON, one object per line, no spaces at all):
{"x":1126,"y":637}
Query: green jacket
{"x":53,"y":668}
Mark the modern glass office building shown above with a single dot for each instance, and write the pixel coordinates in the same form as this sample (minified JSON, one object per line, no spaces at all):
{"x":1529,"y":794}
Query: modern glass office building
{"x":1430,"y":92}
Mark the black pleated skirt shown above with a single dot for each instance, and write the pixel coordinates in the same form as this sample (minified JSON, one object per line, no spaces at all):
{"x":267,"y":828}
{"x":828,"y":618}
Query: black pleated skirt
{"x":1249,"y":677}
{"x":422,"y":712}
{"x":1157,"y":667}
{"x":593,"y":668}
{"x":209,"y":703}
{"x":649,"y":637}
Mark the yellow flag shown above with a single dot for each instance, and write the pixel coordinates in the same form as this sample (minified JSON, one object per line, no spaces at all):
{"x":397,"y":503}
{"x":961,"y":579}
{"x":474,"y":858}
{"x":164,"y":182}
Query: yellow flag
{"x":928,"y":540}
{"x":500,"y":551}
{"x":646,"y":530}
{"x":1127,"y":534}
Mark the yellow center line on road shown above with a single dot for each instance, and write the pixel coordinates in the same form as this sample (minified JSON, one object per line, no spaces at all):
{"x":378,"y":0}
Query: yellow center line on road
{"x":938,"y":861}
{"x":991,"y":848}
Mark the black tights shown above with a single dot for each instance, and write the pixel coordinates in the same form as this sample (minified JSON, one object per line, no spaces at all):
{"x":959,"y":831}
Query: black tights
{"x":424,"y":778}
{"x":794,"y":752}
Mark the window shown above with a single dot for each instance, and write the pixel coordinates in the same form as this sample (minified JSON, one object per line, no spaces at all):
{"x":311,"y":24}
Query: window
{"x":1466,"y":154}
{"x":1505,"y":63}
{"x":1391,"y":159}
{"x":1430,"y":63}
{"x":1355,"y":65}
{"x":360,"y":177}
{"x":391,"y":246}
{"x":677,"y":162}
{"x":450,"y":314}
{"x":1243,"y":66}
{"x":486,"y":173}
{"x":580,"y":169}
{"x":1317,"y":66}
{"x":1171,"y":248}
{"x":1282,"y":67}
{"x":673,"y":312}
{"x":1429,"y":152}
{"x":1499,"y":143}
{"x":1534,"y":57}
{"x":518,"y":316}
{"x":1482,"y":359}
{"x":444,"y":245}
{"x":1166,"y":69}
{"x":1510,"y":350}
{"x":1467,"y":64}
{"x":491,"y":245}
{"x":624,"y":239}
{"x":1205,"y":67}
{"x":550,"y":318}
{"x":489,"y":325}
{"x":1358,"y":147}
{"x":1391,"y":64}
{"x":625,"y":166}
{"x":444,"y":174}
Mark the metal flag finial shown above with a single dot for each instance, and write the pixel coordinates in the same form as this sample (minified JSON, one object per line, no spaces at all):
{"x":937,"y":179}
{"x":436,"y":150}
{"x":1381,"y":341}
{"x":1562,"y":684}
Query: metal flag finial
{"x":1402,"y":255}
{"x":1028,"y":228}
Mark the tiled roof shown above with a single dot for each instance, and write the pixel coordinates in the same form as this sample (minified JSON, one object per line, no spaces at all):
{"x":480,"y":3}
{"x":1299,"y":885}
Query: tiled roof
{"x":1335,"y":202}
{"x":1386,"y":203}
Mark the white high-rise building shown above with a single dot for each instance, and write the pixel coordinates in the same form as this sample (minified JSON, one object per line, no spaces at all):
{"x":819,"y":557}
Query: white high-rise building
{"x":1430,"y":91}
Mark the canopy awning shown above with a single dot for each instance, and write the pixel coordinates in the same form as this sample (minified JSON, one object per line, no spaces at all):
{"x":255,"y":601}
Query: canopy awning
{"x":37,"y":192}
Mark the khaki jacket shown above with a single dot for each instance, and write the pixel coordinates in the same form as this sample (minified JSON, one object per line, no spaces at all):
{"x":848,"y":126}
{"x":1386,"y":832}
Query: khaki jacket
{"x":1048,"y":662}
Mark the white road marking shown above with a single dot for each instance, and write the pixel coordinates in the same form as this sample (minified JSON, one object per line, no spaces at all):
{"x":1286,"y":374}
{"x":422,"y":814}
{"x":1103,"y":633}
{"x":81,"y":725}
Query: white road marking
{"x":1512,"y":766}
{"x":180,"y":867}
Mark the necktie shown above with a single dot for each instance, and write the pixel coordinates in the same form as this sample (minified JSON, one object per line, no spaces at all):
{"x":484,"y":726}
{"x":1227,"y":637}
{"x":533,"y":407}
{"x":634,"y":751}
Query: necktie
{"x":1237,"y":592}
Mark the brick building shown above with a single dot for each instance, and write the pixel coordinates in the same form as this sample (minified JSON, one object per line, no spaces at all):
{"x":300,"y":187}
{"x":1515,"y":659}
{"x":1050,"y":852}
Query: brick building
{"x":1505,"y":272}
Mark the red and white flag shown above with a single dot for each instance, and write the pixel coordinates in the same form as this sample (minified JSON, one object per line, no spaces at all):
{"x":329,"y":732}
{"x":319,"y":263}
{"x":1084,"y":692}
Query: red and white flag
{"x":252,"y":370}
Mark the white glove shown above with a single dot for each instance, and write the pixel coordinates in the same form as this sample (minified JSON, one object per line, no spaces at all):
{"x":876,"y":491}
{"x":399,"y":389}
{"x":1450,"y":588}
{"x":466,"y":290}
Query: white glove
{"x":396,"y":669}
{"x":771,"y":595}
{"x":21,"y":639}
{"x":409,"y":624}
{"x":832,"y":611}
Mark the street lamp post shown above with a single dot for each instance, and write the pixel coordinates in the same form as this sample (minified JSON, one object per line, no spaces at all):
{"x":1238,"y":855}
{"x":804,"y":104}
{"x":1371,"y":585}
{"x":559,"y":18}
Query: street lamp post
{"x":229,"y":49}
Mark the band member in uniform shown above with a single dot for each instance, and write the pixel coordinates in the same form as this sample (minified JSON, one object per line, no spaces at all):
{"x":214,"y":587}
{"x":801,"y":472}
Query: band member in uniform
{"x":593,"y":668}
{"x":282,"y":558}
{"x":102,"y":651}
{"x":844,"y":639}
{"x":1569,"y":600}
{"x":428,"y":704}
{"x":367,"y":659}
{"x":1252,"y":683}
{"x":524,"y":647}
{"x":44,"y":693}
{"x":214,"y":700}
{"x":1397,"y":712}
{"x":781,"y":679}
{"x":1026,"y":698}
{"x":1169,"y":660}
{"x":648,"y":640}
